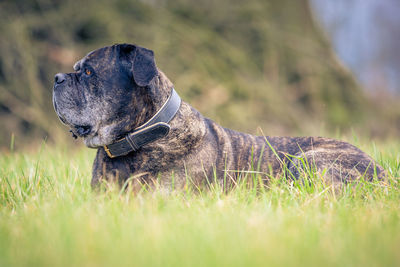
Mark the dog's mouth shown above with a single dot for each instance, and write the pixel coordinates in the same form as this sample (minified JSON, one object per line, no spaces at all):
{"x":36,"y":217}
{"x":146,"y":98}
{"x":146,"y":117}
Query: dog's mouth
{"x":62,"y":119}
{"x":81,"y":130}
{"x":77,"y":130}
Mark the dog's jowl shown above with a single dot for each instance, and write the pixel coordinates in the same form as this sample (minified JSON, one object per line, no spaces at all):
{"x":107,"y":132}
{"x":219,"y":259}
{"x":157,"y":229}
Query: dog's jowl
{"x":120,"y":103}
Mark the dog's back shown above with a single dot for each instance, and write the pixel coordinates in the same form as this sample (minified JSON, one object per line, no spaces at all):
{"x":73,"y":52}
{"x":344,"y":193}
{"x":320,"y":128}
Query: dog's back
{"x":336,"y":160}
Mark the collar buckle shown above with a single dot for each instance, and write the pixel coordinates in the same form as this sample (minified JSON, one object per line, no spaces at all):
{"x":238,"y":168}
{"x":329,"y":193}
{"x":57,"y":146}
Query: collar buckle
{"x":108,"y":152}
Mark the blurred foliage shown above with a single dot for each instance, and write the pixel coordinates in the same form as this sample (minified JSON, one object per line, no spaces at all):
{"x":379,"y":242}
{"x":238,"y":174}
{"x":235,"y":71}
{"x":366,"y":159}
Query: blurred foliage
{"x":243,"y":63}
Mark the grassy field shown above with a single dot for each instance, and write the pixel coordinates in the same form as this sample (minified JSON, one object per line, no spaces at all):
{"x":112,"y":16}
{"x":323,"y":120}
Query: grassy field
{"x":50,"y":217}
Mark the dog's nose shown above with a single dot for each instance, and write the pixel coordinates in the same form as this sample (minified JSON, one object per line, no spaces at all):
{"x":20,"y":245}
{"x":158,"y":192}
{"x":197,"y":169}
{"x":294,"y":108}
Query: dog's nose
{"x":59,"y":78}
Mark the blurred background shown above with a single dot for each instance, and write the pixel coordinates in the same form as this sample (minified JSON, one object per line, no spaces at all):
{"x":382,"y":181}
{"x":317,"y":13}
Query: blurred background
{"x":305,"y":67}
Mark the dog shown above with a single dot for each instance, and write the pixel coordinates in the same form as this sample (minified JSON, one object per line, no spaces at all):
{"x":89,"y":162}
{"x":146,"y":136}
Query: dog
{"x":120,"y":103}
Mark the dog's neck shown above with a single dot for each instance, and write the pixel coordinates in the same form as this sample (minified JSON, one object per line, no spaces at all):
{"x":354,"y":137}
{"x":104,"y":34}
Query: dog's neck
{"x":186,"y":117}
{"x":187,"y":122}
{"x":155,"y":96}
{"x":165,"y":102}
{"x":160,"y":89}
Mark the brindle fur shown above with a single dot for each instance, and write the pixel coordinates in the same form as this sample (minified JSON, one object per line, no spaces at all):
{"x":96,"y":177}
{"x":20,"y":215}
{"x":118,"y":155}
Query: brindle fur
{"x":121,"y":95}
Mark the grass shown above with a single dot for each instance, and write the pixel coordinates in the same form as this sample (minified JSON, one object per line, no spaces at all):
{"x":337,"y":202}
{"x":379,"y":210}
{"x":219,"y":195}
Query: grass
{"x":49,"y":216}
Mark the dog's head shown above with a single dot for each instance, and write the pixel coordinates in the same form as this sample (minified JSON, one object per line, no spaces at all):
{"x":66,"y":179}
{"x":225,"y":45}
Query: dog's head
{"x":108,"y":95}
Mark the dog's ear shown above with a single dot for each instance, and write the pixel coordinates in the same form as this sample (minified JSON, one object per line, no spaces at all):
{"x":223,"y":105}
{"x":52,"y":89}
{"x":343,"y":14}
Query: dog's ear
{"x":143,"y":64}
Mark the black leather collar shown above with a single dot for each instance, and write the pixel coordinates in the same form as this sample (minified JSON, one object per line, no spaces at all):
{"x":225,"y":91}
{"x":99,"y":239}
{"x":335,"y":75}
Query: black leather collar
{"x":154,"y":129}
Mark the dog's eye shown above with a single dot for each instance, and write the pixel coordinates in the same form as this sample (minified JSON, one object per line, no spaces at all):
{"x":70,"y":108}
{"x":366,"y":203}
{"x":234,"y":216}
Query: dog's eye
{"x":88,"y":72}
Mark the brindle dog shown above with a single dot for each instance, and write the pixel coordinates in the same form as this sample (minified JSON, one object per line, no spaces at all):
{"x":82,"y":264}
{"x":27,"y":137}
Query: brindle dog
{"x":118,"y":88}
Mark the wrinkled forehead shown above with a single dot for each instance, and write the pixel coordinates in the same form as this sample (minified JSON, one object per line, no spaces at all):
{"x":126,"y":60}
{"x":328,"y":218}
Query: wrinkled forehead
{"x":96,"y":58}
